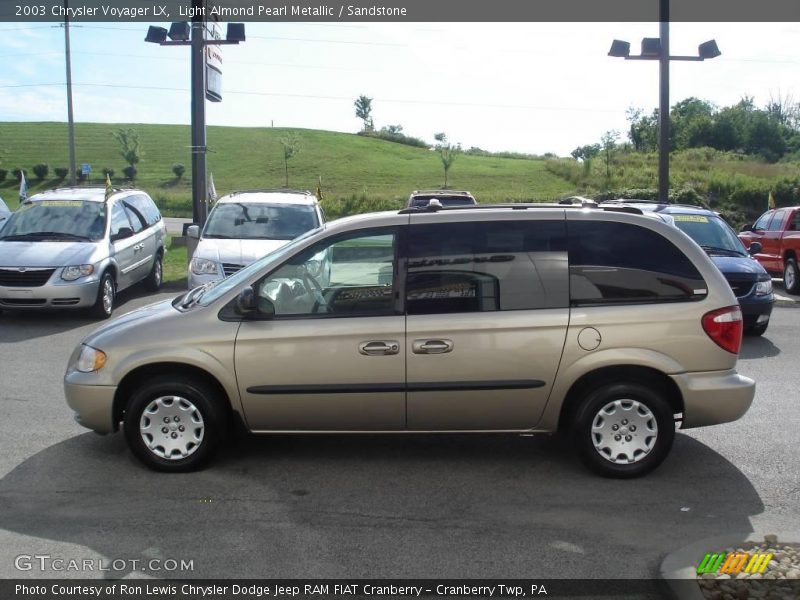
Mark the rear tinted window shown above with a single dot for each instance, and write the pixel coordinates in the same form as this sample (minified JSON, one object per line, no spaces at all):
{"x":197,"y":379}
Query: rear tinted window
{"x":621,"y":263}
{"x":477,"y":267}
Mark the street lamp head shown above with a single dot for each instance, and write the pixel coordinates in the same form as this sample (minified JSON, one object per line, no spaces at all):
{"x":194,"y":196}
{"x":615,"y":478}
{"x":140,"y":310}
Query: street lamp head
{"x":651,"y":47}
{"x":180,"y":31}
{"x":235,"y":32}
{"x":156,"y":35}
{"x":708,"y":49}
{"x":620,"y":49}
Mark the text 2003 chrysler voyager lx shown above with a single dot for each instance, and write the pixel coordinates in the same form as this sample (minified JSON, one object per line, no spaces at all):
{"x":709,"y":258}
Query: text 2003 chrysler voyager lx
{"x":521,"y":318}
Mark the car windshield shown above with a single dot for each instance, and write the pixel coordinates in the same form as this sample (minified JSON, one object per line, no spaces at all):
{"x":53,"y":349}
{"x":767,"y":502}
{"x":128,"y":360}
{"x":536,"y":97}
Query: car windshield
{"x":710,"y":232}
{"x":259,"y":221}
{"x":222,"y":286}
{"x":57,"y":220}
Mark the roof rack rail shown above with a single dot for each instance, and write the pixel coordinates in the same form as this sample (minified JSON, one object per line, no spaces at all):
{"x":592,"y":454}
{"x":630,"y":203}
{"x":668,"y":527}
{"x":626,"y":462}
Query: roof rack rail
{"x":264,"y":190}
{"x":517,"y":206}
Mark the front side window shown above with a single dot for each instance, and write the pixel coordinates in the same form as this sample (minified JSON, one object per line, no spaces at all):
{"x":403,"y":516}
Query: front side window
{"x":57,"y":220}
{"x":763,"y":221}
{"x":346,"y":276}
{"x":486,"y":266}
{"x":260,"y":221}
{"x":622,"y":263}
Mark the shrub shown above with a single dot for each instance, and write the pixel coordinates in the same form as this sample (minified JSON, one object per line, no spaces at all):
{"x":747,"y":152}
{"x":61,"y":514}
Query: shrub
{"x":61,"y":172}
{"x":107,"y":172}
{"x":41,"y":170}
{"x":3,"y":174}
{"x":130,"y":172}
{"x":179,"y":170}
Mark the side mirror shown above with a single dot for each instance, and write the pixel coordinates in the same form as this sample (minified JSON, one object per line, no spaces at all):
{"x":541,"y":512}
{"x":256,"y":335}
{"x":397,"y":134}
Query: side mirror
{"x":193,"y":231}
{"x":746,"y":228}
{"x":124,"y":232}
{"x":755,"y":248}
{"x":249,"y":304}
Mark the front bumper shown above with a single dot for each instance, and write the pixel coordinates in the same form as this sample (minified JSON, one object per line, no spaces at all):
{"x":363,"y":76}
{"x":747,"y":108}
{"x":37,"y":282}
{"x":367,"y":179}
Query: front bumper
{"x":93,"y":404}
{"x":756,"y":310}
{"x":714,"y":397}
{"x":50,"y":295}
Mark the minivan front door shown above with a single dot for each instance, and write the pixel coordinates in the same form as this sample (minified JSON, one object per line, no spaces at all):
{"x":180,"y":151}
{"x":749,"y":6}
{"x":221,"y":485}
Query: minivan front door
{"x":487,"y":305}
{"x":333,"y":357}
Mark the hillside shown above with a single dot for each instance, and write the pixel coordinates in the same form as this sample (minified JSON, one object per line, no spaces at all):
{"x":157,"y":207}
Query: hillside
{"x":351,"y":167}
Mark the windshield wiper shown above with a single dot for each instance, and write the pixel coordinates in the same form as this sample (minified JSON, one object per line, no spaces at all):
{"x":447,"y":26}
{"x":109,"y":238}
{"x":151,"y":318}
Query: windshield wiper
{"x":726,"y":251}
{"x":193,"y":295}
{"x":37,"y":235}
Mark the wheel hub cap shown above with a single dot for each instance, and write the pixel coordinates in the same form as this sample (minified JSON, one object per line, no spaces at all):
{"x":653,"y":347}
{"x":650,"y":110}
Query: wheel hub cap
{"x":624,"y":431}
{"x":172,"y":427}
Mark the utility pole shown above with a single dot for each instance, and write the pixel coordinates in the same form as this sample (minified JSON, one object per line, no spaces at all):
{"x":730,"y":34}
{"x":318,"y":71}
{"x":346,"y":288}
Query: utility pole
{"x":663,"y":103}
{"x":198,"y":49}
{"x":70,"y":119}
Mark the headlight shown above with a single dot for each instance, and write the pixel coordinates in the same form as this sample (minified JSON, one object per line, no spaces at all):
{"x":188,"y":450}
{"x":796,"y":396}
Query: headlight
{"x":75,"y":271}
{"x":203,"y":266}
{"x":90,"y":359}
{"x":763,"y":288}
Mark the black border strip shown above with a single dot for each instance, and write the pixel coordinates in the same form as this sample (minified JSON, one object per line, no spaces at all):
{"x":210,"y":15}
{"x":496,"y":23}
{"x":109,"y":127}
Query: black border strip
{"x":433,"y":386}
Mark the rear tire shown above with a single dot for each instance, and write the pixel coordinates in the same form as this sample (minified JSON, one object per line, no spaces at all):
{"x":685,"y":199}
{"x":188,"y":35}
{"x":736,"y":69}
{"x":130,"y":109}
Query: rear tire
{"x":106,"y":295}
{"x":624,"y":430}
{"x":152,"y":282}
{"x":174,"y":424}
{"x":791,"y":277}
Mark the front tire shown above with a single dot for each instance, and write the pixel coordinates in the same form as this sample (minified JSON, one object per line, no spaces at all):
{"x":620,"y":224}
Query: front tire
{"x":624,"y":430}
{"x":106,"y":295}
{"x":791,"y":277}
{"x":174,"y":424}
{"x":152,"y":282}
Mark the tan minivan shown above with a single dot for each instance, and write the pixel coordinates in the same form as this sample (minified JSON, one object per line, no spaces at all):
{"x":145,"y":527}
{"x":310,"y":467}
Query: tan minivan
{"x":518,"y":318}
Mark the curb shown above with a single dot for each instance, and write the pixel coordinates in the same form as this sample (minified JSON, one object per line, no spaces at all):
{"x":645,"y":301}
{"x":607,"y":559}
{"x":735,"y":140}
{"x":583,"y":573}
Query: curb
{"x":679,"y":567}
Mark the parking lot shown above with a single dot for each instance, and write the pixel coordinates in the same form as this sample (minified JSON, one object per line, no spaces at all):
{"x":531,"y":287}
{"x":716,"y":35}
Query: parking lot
{"x":369,"y":506}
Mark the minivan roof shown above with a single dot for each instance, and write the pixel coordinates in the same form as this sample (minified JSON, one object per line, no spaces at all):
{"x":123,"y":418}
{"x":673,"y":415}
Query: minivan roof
{"x":85,"y":194}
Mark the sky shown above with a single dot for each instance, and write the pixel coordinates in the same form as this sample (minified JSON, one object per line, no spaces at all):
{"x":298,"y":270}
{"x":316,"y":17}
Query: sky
{"x":523,"y":87}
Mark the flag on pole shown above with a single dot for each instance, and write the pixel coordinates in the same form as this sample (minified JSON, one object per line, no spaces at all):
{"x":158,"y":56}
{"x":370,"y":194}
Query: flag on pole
{"x":771,"y":202}
{"x":23,"y":187}
{"x":109,"y":188}
{"x":212,"y":191}
{"x":319,"y":188}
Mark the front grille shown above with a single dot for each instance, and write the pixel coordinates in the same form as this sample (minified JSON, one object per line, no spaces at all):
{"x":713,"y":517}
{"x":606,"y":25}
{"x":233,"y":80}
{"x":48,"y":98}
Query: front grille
{"x":741,"y":288}
{"x":30,"y":277}
{"x":22,"y":301}
{"x":229,"y":269}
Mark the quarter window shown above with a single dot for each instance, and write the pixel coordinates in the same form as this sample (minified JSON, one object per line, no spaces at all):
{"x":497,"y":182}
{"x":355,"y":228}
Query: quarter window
{"x":486,"y":266}
{"x":621,"y":263}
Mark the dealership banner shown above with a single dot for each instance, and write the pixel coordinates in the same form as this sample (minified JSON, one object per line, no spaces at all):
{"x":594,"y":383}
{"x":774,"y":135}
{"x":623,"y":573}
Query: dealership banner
{"x":399,"y":10}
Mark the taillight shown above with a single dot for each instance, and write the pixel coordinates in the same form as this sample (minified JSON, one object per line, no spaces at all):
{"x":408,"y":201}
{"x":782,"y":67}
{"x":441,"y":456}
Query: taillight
{"x":725,"y":326}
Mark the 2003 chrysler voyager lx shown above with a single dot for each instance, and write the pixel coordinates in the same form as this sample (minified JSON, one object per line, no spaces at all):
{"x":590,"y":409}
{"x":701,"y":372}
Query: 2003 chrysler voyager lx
{"x":515,"y":318}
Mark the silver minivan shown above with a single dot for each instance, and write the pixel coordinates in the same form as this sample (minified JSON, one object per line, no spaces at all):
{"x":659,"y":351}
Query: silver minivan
{"x":516,"y":319}
{"x":77,"y":247}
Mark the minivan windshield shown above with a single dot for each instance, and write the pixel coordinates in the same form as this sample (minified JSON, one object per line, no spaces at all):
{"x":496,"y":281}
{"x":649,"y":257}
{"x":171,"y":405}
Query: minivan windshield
{"x":259,"y":221}
{"x":222,"y":286}
{"x":711,"y":233}
{"x":56,"y":220}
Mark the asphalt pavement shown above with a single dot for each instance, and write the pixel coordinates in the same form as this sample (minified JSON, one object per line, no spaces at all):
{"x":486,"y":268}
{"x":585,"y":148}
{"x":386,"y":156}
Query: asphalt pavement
{"x":378,"y":506}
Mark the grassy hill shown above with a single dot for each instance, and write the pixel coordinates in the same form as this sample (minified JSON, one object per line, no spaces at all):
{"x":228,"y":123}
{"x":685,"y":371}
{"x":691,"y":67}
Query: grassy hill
{"x":357,"y":172}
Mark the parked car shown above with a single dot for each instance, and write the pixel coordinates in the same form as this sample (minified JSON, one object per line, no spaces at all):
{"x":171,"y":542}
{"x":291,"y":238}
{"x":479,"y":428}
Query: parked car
{"x":777,"y":233}
{"x":4,"y":213}
{"x":748,"y":279}
{"x":246,"y":225}
{"x":75,"y":248}
{"x":517,"y":318}
{"x":443,"y":197}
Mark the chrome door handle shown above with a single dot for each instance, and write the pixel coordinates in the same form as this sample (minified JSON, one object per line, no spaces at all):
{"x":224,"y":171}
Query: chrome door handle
{"x":432,"y":346}
{"x":379,"y":347}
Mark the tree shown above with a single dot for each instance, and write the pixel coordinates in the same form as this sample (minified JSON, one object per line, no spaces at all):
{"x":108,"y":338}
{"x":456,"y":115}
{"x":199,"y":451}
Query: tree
{"x":447,"y":153}
{"x":130,"y":149}
{"x":178,"y":170}
{"x":587,"y":152}
{"x":609,"y":141}
{"x":41,"y":170}
{"x":291,"y":148}
{"x":363,"y":106}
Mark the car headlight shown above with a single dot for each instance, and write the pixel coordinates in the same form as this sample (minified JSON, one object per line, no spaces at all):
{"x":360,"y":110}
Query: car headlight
{"x":763,"y":288}
{"x":73,"y":272}
{"x":90,"y":359}
{"x":203,"y":266}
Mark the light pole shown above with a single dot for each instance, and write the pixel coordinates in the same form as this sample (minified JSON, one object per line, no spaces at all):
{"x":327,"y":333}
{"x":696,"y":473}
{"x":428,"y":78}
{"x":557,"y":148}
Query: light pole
{"x":194,"y":34}
{"x":70,"y":117}
{"x":658,"y":49}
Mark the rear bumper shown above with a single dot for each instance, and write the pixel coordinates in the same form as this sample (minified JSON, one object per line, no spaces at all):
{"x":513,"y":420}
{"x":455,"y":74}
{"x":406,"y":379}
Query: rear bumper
{"x":714,"y":397}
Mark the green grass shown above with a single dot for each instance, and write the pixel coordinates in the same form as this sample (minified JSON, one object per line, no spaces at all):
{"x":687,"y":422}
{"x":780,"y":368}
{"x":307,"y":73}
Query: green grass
{"x":175,"y":265}
{"x":352,"y":167}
